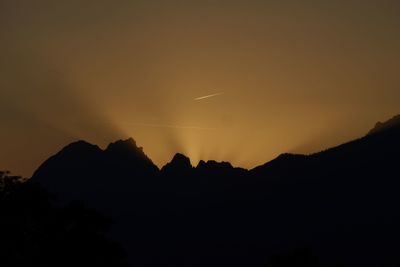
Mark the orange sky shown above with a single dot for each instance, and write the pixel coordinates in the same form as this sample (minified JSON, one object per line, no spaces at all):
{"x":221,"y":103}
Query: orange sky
{"x":292,"y":76}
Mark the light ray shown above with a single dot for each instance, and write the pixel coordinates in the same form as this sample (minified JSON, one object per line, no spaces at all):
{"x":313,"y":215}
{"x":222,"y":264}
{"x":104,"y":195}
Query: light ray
{"x":171,"y":126}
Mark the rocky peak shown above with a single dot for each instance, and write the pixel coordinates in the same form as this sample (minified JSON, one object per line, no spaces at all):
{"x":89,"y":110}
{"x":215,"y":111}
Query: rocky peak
{"x":382,"y":126}
{"x":179,"y":164}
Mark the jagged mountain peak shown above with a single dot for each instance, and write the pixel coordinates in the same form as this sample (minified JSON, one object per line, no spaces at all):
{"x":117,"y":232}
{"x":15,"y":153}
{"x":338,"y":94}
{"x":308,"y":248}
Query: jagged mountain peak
{"x":212,"y":164}
{"x":126,"y":148}
{"x":383,"y":126}
{"x":123,"y":157}
{"x":180,"y":158}
{"x":126,"y":154}
{"x":179,"y":163}
{"x":129,"y":143}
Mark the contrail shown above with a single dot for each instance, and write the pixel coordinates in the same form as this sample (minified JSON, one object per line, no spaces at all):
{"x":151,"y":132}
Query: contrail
{"x":207,"y":96}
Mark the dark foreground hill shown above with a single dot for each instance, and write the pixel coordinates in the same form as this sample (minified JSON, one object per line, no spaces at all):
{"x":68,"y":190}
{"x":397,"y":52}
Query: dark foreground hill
{"x":339,"y":207}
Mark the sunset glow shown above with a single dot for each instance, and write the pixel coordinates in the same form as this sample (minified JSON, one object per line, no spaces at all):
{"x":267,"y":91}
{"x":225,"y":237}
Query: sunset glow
{"x":238,"y":81}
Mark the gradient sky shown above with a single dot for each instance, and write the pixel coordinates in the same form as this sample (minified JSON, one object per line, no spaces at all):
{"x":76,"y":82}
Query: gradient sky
{"x":291,"y":76}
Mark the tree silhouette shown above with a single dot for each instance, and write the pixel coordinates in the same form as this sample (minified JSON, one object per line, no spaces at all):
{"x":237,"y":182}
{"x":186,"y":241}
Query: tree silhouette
{"x":34,"y":232}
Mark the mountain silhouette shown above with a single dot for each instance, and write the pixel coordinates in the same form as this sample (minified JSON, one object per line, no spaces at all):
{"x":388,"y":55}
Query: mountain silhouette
{"x":382,"y":126}
{"x":126,"y":156}
{"x":341,"y":203}
{"x":179,"y":166}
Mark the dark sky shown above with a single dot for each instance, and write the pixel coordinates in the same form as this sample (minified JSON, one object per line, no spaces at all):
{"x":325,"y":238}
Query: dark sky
{"x":290,"y":76}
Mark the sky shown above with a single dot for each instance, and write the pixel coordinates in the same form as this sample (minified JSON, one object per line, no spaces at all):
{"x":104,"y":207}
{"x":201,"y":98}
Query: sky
{"x":239,"y":81}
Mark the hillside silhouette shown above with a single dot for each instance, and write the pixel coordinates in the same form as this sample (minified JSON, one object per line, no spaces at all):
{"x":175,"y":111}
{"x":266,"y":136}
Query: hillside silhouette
{"x":338,"y":207}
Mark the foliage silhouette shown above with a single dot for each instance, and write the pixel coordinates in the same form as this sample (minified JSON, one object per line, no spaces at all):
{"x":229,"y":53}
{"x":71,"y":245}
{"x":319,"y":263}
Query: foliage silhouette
{"x":37,"y":233}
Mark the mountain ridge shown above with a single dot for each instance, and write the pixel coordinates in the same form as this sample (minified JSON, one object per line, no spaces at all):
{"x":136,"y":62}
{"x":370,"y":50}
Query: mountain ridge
{"x":129,"y":146}
{"x":338,"y":200}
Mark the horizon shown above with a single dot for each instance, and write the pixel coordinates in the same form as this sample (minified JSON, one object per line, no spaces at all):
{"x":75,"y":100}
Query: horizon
{"x":196,"y":164}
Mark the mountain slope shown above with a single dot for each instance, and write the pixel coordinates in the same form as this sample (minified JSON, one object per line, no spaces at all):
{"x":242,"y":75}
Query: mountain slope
{"x":84,"y":171}
{"x":342,"y":203}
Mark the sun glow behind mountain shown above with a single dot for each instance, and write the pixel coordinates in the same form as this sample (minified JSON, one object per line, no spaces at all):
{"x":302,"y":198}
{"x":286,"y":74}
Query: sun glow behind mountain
{"x":293,"y":76}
